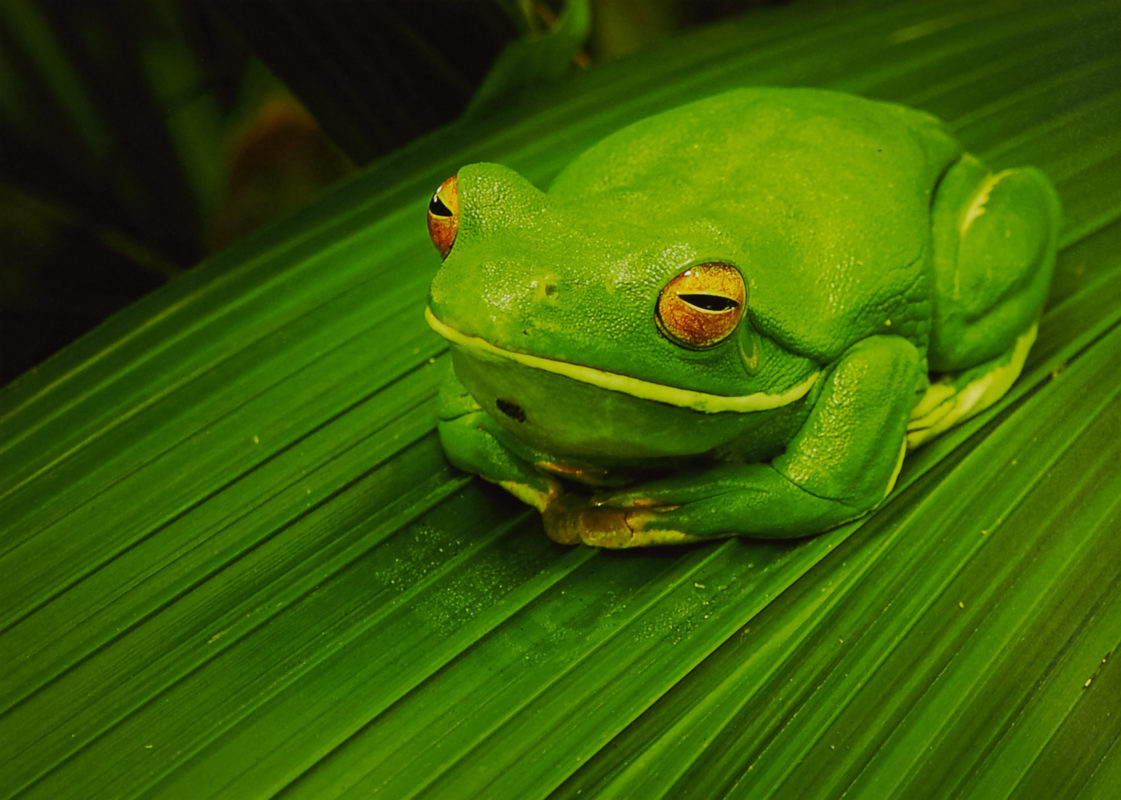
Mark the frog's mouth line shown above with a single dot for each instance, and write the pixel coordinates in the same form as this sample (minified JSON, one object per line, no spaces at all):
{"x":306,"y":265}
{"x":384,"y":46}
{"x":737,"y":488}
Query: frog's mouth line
{"x":645,"y":390}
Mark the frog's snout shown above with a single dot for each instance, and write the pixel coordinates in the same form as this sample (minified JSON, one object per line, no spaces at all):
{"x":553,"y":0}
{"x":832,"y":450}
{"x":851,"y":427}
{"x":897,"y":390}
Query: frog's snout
{"x":511,"y":409}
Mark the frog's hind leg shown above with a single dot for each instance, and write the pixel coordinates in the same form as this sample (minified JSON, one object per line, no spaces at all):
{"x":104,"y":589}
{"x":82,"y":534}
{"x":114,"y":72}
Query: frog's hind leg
{"x":994,"y":241}
{"x":958,"y":396}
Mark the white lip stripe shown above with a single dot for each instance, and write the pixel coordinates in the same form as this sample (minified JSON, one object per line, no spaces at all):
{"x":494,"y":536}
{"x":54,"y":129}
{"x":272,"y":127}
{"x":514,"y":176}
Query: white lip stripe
{"x":671,"y":395}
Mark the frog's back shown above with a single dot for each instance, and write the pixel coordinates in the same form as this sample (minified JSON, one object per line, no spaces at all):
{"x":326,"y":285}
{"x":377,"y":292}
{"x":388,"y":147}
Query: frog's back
{"x":829,"y":192}
{"x":729,"y":129}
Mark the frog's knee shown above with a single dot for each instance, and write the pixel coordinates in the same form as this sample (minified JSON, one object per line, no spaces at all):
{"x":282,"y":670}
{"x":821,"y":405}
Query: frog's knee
{"x":994,"y":237}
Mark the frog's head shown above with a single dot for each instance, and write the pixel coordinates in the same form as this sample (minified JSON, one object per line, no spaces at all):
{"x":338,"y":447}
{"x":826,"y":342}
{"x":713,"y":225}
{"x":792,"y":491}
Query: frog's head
{"x":588,"y":329}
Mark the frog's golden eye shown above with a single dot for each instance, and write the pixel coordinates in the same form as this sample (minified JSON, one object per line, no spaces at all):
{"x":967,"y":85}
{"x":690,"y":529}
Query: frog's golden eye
{"x":701,"y":306}
{"x":443,"y":216}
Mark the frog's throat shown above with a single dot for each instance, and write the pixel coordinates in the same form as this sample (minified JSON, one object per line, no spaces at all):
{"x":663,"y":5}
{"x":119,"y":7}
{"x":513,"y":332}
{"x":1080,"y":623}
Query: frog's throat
{"x":646,"y":390}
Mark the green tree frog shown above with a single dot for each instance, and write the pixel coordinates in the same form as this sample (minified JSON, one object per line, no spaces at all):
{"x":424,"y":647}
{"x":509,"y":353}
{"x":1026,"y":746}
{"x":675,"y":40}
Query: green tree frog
{"x":734,"y":317}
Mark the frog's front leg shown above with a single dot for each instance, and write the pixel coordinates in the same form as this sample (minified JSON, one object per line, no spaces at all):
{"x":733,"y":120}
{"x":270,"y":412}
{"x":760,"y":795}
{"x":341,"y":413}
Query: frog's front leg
{"x":474,"y":442}
{"x":842,"y":464}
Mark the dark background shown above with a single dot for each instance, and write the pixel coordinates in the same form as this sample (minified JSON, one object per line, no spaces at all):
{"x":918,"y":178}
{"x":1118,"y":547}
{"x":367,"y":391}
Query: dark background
{"x":136,"y":138}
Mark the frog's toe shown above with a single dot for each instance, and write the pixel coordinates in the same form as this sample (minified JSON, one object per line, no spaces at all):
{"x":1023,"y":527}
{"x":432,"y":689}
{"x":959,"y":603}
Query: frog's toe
{"x":573,"y":519}
{"x":563,"y":519}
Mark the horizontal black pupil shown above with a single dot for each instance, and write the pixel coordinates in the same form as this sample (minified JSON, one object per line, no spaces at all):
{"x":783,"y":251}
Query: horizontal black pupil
{"x":709,"y":302}
{"x":437,"y":207}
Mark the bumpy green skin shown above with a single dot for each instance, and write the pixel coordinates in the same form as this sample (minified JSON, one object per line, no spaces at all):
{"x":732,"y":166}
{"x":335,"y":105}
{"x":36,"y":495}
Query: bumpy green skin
{"x":877,"y":256}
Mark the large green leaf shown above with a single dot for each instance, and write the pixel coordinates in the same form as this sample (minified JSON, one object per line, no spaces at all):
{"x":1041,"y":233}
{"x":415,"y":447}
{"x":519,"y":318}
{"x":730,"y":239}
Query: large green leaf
{"x":234,"y":561}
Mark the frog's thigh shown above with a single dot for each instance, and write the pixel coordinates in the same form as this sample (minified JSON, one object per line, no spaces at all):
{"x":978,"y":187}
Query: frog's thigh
{"x":472,"y":442}
{"x":841,"y":464}
{"x":994,"y":240}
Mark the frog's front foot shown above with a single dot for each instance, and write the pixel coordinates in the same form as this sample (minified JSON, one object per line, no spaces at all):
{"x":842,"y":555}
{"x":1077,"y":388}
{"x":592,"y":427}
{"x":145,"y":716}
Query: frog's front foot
{"x":574,"y":518}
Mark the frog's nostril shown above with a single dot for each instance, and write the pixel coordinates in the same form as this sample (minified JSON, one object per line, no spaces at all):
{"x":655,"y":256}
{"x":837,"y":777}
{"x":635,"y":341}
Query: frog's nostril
{"x":510,"y":409}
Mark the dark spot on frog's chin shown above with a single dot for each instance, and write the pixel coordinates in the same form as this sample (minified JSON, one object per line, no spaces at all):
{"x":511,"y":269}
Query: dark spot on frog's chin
{"x":510,"y":409}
